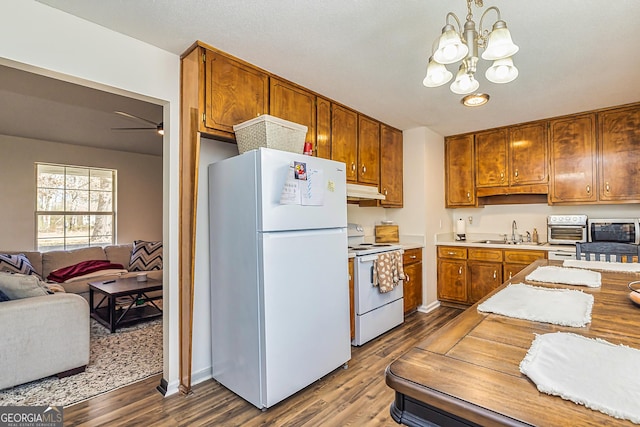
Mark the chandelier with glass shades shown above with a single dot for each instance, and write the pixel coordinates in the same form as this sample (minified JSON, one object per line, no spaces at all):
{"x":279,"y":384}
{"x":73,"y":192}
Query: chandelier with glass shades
{"x":455,"y":44}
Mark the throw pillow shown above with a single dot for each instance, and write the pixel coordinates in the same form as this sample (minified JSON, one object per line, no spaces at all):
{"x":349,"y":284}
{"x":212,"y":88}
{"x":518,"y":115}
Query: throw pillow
{"x":146,"y":256}
{"x":18,"y":286}
{"x":3,"y":297}
{"x":17,"y":263}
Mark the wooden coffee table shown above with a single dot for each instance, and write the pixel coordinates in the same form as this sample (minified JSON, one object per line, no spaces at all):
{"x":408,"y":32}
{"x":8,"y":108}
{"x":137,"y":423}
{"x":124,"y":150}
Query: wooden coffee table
{"x":136,"y":296}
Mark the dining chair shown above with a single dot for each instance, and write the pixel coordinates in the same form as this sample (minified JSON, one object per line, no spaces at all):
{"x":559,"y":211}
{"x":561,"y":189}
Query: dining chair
{"x":603,"y":251}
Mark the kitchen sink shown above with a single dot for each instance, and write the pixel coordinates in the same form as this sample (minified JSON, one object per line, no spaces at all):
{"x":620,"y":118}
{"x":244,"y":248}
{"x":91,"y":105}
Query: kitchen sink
{"x":507,"y":242}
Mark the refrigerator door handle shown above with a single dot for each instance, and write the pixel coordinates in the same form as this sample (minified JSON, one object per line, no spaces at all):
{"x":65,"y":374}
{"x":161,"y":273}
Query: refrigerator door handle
{"x":372,"y":274}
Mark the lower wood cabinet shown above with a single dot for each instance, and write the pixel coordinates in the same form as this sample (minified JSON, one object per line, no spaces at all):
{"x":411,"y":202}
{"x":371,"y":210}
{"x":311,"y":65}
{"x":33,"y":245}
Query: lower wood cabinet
{"x":412,"y":265}
{"x":468,"y":274}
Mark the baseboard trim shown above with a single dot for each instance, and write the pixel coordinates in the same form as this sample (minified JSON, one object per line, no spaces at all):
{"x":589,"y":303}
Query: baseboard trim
{"x":170,"y":388}
{"x":429,"y":308}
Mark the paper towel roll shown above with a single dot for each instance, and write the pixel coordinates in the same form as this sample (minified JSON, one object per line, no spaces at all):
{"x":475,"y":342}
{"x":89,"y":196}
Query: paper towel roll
{"x":460,"y":229}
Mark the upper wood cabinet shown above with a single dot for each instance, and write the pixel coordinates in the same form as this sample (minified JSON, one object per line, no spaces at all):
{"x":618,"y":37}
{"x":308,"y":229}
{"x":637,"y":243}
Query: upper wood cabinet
{"x":572,"y":147}
{"x":619,"y":155}
{"x":491,"y":158}
{"x":323,"y":128}
{"x":344,"y":139}
{"x":391,"y":167}
{"x":368,"y":150}
{"x":293,"y":103}
{"x":233,"y":92}
{"x":460,"y":188}
{"x":512,"y":160}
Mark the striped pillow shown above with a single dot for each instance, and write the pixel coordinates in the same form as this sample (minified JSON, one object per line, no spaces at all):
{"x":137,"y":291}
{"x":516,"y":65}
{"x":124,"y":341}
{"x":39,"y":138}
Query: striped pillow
{"x":146,"y":256}
{"x":18,"y":263}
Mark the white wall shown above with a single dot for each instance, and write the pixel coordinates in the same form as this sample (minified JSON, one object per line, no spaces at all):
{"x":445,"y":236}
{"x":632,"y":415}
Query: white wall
{"x":211,"y":151}
{"x":139,"y":188}
{"x":40,"y":39}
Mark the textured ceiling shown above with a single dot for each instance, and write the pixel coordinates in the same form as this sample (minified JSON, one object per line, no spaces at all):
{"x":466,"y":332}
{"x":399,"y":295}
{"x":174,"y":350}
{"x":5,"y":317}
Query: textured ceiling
{"x":575,"y":55}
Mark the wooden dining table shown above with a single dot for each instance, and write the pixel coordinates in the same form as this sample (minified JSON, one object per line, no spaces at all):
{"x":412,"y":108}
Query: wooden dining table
{"x":467,"y":373}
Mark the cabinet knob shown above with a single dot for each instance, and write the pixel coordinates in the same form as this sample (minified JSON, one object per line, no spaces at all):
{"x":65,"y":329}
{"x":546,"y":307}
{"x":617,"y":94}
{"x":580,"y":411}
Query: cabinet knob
{"x":406,"y":278}
{"x":451,"y":253}
{"x":364,"y":169}
{"x":468,"y":195}
{"x":510,"y":274}
{"x":353,"y":166}
{"x":413,"y":257}
{"x":516,"y":173}
{"x":588,"y":189}
{"x":606,"y":187}
{"x":502,"y":176}
{"x":495,"y":275}
{"x":460,"y":271}
{"x":385,"y":191}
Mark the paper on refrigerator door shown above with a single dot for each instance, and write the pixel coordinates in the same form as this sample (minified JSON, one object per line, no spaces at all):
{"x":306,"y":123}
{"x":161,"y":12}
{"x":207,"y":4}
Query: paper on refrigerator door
{"x":313,"y":188}
{"x":291,"y":190}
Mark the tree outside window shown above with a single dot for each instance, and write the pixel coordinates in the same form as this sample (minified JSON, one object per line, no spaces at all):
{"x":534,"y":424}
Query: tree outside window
{"x":75,"y":206}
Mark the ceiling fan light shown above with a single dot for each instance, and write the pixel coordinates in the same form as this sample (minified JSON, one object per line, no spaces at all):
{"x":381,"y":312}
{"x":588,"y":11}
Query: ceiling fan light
{"x":437,"y":74}
{"x":451,"y":48}
{"x":475,"y":100}
{"x":502,"y":71}
{"x":499,"y":43}
{"x":464,"y":83}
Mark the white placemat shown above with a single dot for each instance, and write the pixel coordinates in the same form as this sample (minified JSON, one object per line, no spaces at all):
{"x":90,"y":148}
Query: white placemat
{"x":590,"y":372}
{"x":565,"y":307}
{"x":628,"y":267}
{"x":568,"y":276}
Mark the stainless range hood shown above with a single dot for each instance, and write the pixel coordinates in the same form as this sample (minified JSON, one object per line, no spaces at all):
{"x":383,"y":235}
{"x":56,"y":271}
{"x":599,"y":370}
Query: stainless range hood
{"x":363,"y":192}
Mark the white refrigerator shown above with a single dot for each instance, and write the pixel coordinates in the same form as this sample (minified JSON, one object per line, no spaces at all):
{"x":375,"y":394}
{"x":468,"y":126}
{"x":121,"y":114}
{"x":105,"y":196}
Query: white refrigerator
{"x":279,"y":273}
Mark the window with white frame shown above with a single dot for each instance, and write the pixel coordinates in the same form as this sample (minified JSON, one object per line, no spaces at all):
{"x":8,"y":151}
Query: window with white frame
{"x":75,"y":206}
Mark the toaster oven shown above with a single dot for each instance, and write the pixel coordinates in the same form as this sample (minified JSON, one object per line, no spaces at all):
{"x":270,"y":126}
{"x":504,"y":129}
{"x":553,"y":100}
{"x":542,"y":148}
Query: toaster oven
{"x":566,"y":229}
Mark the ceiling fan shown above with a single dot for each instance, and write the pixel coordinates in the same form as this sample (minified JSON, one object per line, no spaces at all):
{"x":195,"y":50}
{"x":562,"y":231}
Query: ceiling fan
{"x":156,"y":126}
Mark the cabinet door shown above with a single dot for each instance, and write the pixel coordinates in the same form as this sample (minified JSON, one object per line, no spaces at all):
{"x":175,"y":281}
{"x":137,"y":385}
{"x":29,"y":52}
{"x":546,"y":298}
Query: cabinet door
{"x":528,"y":154}
{"x":323,"y":125}
{"x":619,"y":154}
{"x":368,"y":151}
{"x":234,"y":92}
{"x":484,"y":277}
{"x":511,"y":270}
{"x":572,"y":145}
{"x":412,"y":287}
{"x":391,"y":166}
{"x":295,"y":104}
{"x":452,"y":280}
{"x":459,"y":171}
{"x":344,"y":139}
{"x":491,"y":159}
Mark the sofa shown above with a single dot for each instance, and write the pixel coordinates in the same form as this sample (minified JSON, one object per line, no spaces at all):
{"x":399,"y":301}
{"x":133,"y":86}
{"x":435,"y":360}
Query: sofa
{"x":49,"y":334}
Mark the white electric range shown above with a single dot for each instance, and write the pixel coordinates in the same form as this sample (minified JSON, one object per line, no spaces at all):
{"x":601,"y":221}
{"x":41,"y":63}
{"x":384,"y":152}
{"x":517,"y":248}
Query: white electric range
{"x":375,"y":312}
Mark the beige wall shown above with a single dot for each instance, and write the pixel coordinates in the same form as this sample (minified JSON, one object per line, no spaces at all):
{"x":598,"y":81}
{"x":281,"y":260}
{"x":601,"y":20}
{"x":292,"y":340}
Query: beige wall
{"x":139,"y":188}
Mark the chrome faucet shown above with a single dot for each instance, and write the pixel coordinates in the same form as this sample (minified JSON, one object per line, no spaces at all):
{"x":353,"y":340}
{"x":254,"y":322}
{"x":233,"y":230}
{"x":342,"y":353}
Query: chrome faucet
{"x":514,"y":229}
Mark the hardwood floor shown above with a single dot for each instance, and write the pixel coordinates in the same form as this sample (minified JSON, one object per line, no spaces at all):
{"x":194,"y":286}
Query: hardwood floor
{"x":357,"y":396}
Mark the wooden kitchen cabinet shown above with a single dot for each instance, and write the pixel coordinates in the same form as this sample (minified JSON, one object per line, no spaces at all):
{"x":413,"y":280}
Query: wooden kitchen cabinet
{"x":460,"y":188}
{"x":412,"y":266}
{"x":452,"y":274}
{"x":485,"y":272}
{"x":468,"y":274}
{"x":322,"y":148}
{"x":368,"y":151}
{"x":233,"y":92}
{"x":294,"y":103}
{"x":352,"y":311}
{"x":491,"y":158}
{"x":572,"y":147}
{"x":619,"y":155}
{"x":344,"y":139}
{"x":391,"y":168}
{"x":512,"y":160}
{"x":516,"y":260}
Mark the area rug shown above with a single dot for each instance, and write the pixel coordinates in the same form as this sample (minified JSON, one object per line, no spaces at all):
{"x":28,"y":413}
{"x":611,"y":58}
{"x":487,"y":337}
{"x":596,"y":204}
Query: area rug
{"x":124,"y":357}
{"x":587,"y":371}
{"x":565,"y":307}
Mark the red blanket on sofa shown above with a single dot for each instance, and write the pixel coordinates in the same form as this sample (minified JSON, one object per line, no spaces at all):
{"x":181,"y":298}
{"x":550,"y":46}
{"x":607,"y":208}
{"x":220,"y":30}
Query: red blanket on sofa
{"x":85,"y":267}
